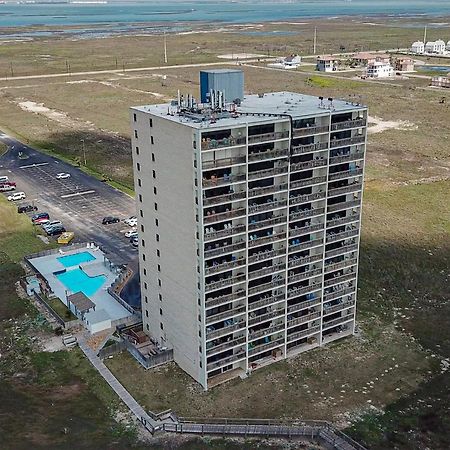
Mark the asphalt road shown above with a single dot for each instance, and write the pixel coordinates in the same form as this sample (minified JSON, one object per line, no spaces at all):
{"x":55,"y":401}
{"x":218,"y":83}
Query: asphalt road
{"x":80,"y":202}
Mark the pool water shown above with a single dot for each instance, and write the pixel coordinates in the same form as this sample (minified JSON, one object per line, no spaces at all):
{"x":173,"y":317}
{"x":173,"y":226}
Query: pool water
{"x":77,"y":281}
{"x":76,"y":259}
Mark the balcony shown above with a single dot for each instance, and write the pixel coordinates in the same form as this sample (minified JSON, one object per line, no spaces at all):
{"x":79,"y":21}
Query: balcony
{"x":348,"y":141}
{"x":255,"y":192}
{"x":264,"y":347}
{"x":224,"y":233}
{"x":228,"y":179}
{"x":307,"y":131}
{"x":301,"y":149}
{"x":302,"y":334}
{"x":266,"y":301}
{"x":256,"y":138}
{"x":297,"y":292}
{"x":343,"y":205}
{"x":212,"y":218}
{"x":304,"y":275}
{"x":224,"y":283}
{"x":270,"y":154}
{"x":356,"y":123}
{"x":227,"y":345}
{"x":299,"y":199}
{"x":253,"y":209}
{"x":305,"y":230}
{"x":265,"y":332}
{"x":217,"y":301}
{"x":265,"y":287}
{"x":267,"y":223}
{"x":304,"y":245}
{"x":213,"y":334}
{"x":306,"y":213}
{"x":268,"y":254}
{"x":344,"y":174}
{"x":223,"y":162}
{"x":296,"y":261}
{"x":341,"y":279}
{"x":223,"y":250}
{"x":225,"y":315}
{"x":345,"y":190}
{"x":267,"y":173}
{"x":337,"y":308}
{"x":303,"y":305}
{"x":264,"y":317}
{"x":226,"y":361}
{"x":340,"y":265}
{"x":308,"y":182}
{"x":224,"y":266}
{"x":339,"y":293}
{"x":303,"y":319}
{"x":225,"y":142}
{"x":343,"y":220}
{"x":266,"y":239}
{"x":266,"y":271}
{"x":308,"y":165}
{"x":226,"y":198}
{"x":343,"y":235}
{"x":341,"y":250}
{"x":338,"y":321}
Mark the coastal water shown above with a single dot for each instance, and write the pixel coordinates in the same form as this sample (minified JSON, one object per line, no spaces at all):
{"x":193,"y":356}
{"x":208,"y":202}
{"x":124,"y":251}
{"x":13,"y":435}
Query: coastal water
{"x":241,"y":11}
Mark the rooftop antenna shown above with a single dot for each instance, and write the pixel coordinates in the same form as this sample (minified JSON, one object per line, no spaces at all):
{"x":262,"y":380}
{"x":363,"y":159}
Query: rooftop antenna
{"x":315,"y":40}
{"x":165,"y":48}
{"x":425,"y":35}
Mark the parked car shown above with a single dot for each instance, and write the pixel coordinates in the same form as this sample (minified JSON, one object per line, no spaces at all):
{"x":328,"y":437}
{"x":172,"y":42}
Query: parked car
{"x":135,"y":243}
{"x":51,"y":224}
{"x":131,"y":220}
{"x":17,"y":196}
{"x":26,"y":208}
{"x":6,"y":187}
{"x":62,"y":176}
{"x":37,"y":218}
{"x":4,"y":179}
{"x":66,"y":237}
{"x":109,"y":219}
{"x":54,"y":231}
{"x":131,"y":233}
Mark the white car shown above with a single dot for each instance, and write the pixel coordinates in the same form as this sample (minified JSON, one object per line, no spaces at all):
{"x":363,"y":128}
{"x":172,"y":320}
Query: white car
{"x":131,"y":233}
{"x":17,"y":196}
{"x":62,"y":176}
{"x":131,"y":220}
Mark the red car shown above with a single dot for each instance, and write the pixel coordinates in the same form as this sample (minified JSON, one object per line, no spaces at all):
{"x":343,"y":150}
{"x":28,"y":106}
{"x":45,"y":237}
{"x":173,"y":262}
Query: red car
{"x":7,"y":186}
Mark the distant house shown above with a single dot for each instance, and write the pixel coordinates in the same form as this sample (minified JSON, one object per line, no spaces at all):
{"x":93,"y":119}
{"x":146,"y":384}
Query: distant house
{"x":441,"y":82}
{"x":436,"y":47}
{"x":327,"y":63}
{"x":364,"y":58}
{"x":403,"y":64}
{"x":448,"y":46}
{"x":290,"y":62}
{"x":418,"y":47}
{"x":379,"y":69}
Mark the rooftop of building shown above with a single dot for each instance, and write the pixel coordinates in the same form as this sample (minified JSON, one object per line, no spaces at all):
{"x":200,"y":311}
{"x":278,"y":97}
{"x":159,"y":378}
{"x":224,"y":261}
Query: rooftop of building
{"x":252,"y":110}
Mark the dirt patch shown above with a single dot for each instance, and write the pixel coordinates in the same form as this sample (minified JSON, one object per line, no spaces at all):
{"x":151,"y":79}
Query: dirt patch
{"x":378,"y":125}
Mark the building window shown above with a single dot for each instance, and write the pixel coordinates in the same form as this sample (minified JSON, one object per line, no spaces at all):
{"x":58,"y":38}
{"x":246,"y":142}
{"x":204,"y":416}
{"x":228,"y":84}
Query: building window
{"x":145,"y":271}
{"x":146,"y":299}
{"x":160,"y":311}
{"x":141,"y":213}
{"x":200,"y":362}
{"x":143,"y":256}
{"x":158,"y":253}
{"x":138,"y":166}
{"x":157,"y":222}
{"x":139,"y":182}
{"x":135,"y":134}
{"x":160,"y":297}
{"x":145,"y":285}
{"x":161,"y":326}
{"x":153,"y":157}
{"x":157,"y":237}
{"x":159,"y":268}
{"x":146,"y":313}
{"x":151,"y":122}
{"x":140,"y":198}
{"x":148,"y":327}
{"x":153,"y":174}
{"x":143,"y":243}
{"x":137,"y":150}
{"x":200,"y":348}
{"x":152,"y":141}
{"x":154,"y":190}
{"x":142,"y":228}
{"x":134,"y":117}
{"x":159,"y":282}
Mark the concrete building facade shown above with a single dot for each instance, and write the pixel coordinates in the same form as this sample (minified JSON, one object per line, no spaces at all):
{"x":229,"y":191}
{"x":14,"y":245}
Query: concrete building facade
{"x":249,"y":226}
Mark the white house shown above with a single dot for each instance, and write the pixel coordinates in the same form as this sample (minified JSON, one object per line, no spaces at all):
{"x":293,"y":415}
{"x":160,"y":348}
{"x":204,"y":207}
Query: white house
{"x":437,"y":47}
{"x":379,"y":69}
{"x":448,"y":46}
{"x":290,"y":62}
{"x":327,"y":64}
{"x":418,"y":47}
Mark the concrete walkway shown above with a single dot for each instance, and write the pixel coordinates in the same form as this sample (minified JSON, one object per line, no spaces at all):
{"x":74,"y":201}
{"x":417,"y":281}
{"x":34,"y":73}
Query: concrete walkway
{"x":149,"y":423}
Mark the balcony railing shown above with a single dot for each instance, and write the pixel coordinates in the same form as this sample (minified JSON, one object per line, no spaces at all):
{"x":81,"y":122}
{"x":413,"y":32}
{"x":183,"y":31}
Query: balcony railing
{"x":356,"y":123}
{"x":304,"y":245}
{"x":264,"y":317}
{"x":300,"y":149}
{"x":222,"y":347}
{"x":346,"y":142}
{"x":264,"y":347}
{"x":341,"y":279}
{"x":224,"y":283}
{"x":343,"y":205}
{"x":301,"y":334}
{"x":213,"y":182}
{"x":343,"y":235}
{"x":266,"y":239}
{"x":267,"y":173}
{"x":339,"y":293}
{"x":225,"y":315}
{"x":299,"y":320}
{"x":238,"y":212}
{"x":296,"y":261}
{"x":226,"y":361}
{"x":223,"y":250}
{"x":338,"y":321}
{"x":345,"y":190}
{"x":346,"y":158}
{"x":224,"y":233}
{"x":213,"y":334}
{"x":225,"y":142}
{"x":297,"y":292}
{"x":226,"y":198}
{"x":267,"y":190}
{"x":270,"y":154}
{"x":266,"y":255}
{"x":268,"y":137}
{"x":308,"y":165}
{"x":265,"y":287}
{"x":344,"y":174}
{"x":308,"y":182}
{"x":266,"y":271}
{"x":267,"y":223}
{"x":224,"y":266}
{"x":340,"y":265}
{"x":223,"y":162}
{"x":310,"y":130}
{"x":217,"y":301}
{"x":340,"y":250}
{"x":305,"y":230}
{"x":306,"y":198}
{"x":337,"y":308}
{"x":265,"y":301}
{"x":265,"y":332}
{"x":304,"y":275}
{"x":343,"y":220}
{"x":266,"y":206}
{"x":303,"y":305}
{"x":306,"y":213}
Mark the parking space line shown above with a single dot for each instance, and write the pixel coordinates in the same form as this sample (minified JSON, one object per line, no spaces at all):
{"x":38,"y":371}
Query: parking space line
{"x":75,"y":194}
{"x":34,"y":165}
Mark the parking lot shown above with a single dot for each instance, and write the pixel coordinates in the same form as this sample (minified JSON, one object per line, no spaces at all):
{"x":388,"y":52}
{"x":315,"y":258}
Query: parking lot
{"x":80,"y":202}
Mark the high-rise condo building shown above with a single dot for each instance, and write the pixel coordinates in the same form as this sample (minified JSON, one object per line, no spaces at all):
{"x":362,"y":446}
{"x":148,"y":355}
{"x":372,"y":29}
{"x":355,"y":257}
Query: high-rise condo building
{"x":249,"y":219}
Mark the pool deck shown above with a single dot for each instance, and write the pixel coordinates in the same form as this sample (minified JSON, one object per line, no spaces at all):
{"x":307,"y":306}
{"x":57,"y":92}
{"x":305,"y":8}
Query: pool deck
{"x":49,"y":264}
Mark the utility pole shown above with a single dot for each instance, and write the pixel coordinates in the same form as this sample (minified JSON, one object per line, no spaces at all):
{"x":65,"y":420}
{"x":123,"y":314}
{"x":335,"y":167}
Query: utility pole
{"x":165,"y":48}
{"x":315,"y":41}
{"x":425,"y":35}
{"x":84,"y":151}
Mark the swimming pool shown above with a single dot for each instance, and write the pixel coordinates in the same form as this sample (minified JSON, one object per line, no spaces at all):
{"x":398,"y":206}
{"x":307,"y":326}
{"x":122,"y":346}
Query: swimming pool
{"x":75,"y":259}
{"x":77,"y":281}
